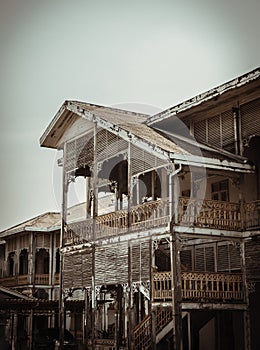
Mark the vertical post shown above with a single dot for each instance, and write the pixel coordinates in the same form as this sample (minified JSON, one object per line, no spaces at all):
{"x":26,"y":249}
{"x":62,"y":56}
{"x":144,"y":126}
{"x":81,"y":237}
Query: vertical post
{"x":176,"y":292}
{"x":153,"y":184}
{"x":175,"y":262}
{"x":93,"y":302}
{"x":62,"y":232}
{"x":130,"y":300}
{"x":247,"y":336}
{"x":95,"y":210}
{"x":153,"y":329}
{"x":129,"y":180}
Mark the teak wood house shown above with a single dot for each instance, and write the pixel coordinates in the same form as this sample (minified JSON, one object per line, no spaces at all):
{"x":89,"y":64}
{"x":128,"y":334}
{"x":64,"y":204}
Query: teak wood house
{"x":162,"y":245}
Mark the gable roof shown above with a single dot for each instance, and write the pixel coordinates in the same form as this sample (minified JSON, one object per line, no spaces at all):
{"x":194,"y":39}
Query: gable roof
{"x":128,"y":125}
{"x":44,"y":223}
{"x":135,"y":127}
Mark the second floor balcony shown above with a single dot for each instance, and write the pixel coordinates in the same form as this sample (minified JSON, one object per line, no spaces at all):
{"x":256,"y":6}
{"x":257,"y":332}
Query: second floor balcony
{"x":155,"y":214}
{"x":24,"y":280}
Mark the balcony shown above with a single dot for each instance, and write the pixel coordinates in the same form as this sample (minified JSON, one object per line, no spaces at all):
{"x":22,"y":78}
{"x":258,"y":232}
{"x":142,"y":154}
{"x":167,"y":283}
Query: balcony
{"x":24,"y":280}
{"x":200,"y":287}
{"x":155,"y":214}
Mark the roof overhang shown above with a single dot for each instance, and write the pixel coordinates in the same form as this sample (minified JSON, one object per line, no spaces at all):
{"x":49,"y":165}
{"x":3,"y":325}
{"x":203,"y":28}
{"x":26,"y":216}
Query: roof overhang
{"x":210,"y":100}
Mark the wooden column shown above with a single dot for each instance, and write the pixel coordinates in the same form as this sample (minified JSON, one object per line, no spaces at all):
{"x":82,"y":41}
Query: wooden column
{"x":247,"y":335}
{"x":176,"y":291}
{"x":62,"y":313}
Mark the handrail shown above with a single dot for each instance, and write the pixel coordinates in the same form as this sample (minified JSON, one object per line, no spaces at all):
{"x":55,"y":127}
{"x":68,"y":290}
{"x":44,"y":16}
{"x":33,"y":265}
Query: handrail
{"x":142,"y":332}
{"x":191,"y":212}
{"x":201,"y":286}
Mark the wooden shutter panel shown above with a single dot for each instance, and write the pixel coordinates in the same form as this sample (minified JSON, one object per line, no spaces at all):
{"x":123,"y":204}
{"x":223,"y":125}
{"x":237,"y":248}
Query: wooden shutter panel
{"x":228,"y":134}
{"x":214,"y":134}
{"x":228,"y":257}
{"x":205,"y":258}
{"x":250,"y":114}
{"x":186,"y":259}
{"x":140,"y":261}
{"x":200,"y":131}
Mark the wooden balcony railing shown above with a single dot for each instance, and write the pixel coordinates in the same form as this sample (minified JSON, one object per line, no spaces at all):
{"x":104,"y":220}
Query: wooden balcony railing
{"x":209,"y":213}
{"x":145,"y":216}
{"x":200,"y":286}
{"x":191,"y":212}
{"x":252,"y":215}
{"x":42,"y":278}
{"x":22,"y":280}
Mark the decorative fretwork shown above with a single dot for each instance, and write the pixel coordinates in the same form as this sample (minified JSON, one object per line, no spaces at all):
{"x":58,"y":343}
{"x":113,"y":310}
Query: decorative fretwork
{"x":252,"y":214}
{"x":191,"y":212}
{"x":251,"y":287}
{"x":202,"y":287}
{"x":209,"y":213}
{"x":79,"y":232}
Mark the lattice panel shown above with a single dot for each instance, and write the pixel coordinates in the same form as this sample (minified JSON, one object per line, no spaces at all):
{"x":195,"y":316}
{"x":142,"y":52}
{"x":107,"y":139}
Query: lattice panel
{"x":111,"y":264}
{"x":109,"y":145}
{"x":77,"y":270}
{"x":79,"y":152}
{"x":142,"y":161}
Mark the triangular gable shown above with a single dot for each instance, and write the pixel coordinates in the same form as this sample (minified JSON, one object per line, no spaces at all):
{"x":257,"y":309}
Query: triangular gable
{"x":129,"y":126}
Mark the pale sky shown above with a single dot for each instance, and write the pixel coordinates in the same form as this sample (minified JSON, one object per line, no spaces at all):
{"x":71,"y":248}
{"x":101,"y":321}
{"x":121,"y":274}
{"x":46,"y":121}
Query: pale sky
{"x":139,"y":52}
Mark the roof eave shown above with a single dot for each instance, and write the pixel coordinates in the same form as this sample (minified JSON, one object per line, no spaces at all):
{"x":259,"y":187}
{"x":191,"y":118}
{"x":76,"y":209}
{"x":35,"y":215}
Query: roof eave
{"x":211,"y":163}
{"x":206,"y":96}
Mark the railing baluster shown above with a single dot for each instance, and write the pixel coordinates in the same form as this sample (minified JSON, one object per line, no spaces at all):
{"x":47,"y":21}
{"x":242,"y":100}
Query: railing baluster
{"x":200,"y":286}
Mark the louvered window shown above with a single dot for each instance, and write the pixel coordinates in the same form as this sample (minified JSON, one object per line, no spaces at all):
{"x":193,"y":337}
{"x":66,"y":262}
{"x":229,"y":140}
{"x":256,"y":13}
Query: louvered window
{"x":250,"y":116}
{"x":228,"y":257}
{"x":228,"y":134}
{"x":200,"y":132}
{"x":143,"y":161}
{"x":140,"y":261}
{"x":214,"y":132}
{"x":205,"y":258}
{"x":186,"y":260}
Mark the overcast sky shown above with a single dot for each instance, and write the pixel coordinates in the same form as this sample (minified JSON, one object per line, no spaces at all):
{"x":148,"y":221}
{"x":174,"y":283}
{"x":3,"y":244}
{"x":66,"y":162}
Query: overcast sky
{"x":138,"y":52}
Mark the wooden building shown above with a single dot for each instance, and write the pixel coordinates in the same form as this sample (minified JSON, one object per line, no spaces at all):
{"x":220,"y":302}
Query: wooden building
{"x":29,"y":265}
{"x":165,"y":248}
{"x":159,"y":239}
